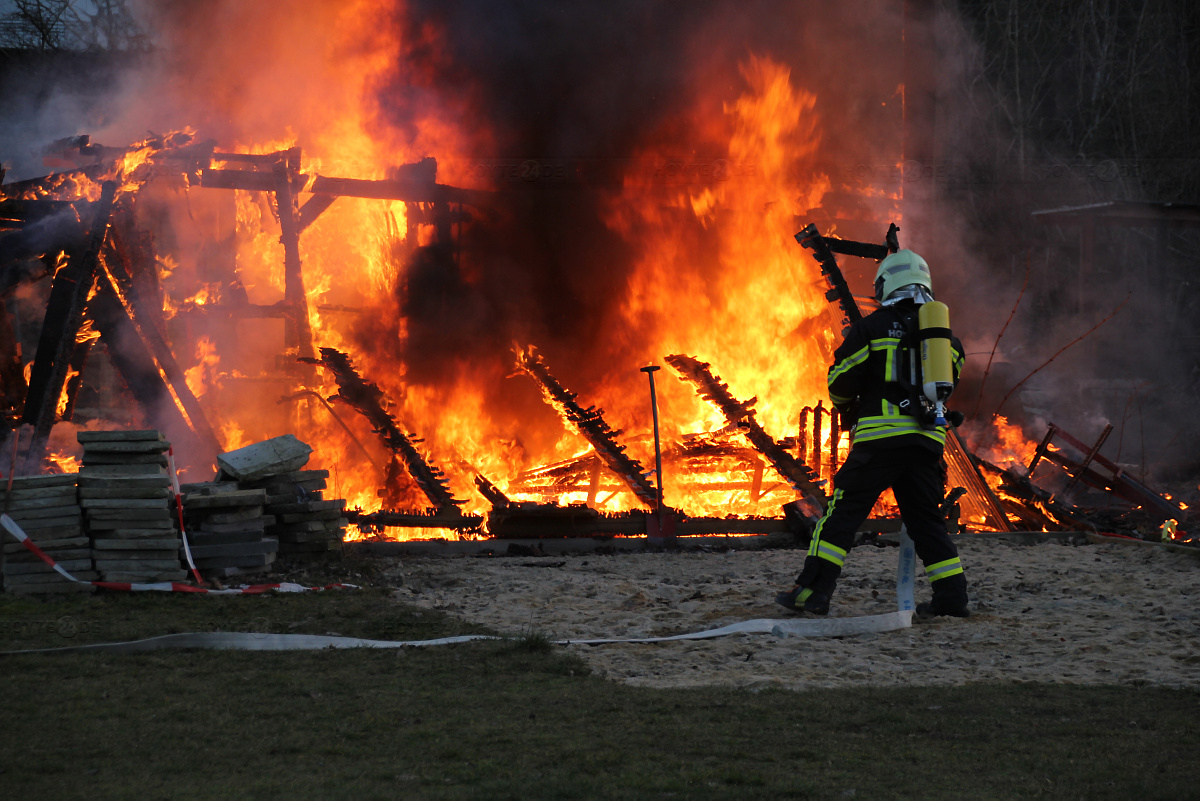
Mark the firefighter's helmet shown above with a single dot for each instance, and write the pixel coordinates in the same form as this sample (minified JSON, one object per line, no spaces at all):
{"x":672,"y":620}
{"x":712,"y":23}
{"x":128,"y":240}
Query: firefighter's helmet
{"x":898,"y":270}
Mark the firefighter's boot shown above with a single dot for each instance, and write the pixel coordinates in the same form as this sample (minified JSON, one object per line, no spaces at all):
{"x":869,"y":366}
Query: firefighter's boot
{"x":949,"y":599}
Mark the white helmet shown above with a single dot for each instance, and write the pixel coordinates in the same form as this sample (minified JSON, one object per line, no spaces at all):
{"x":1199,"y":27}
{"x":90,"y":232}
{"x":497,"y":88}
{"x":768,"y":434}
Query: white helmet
{"x":898,"y":270}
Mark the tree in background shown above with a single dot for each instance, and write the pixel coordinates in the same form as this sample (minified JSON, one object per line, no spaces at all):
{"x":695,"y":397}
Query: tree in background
{"x":54,"y":25}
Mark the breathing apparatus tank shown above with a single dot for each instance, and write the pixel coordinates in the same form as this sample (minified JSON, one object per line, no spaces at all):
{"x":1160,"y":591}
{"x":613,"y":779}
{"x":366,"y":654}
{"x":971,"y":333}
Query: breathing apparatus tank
{"x":937,"y":369}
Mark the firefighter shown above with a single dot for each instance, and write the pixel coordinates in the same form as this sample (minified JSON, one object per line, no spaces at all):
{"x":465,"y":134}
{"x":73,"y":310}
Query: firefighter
{"x":895,"y":443}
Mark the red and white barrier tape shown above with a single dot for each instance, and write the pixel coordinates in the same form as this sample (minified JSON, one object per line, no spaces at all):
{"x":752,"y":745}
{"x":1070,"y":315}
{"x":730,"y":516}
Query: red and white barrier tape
{"x":187,"y":551}
{"x":11,"y":527}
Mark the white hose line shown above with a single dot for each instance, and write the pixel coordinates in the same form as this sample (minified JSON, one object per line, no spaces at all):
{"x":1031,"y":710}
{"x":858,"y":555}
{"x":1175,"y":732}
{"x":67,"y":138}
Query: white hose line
{"x":795,"y":627}
{"x":246,"y":641}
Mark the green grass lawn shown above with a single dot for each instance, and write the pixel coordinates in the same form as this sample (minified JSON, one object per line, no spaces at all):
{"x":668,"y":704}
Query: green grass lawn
{"x":522,"y":719}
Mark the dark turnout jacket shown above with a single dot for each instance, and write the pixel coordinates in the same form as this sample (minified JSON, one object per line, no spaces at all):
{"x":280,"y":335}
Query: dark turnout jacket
{"x":871,"y":379}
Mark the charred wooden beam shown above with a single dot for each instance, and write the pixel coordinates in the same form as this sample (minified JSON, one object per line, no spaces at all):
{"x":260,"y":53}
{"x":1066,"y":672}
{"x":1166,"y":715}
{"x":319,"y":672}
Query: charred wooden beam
{"x":1034,"y":499}
{"x":538,"y":521}
{"x":590,"y":423}
{"x":1120,"y":482}
{"x":64,"y":317}
{"x":494,"y":495}
{"x":406,"y":190}
{"x":368,"y":400}
{"x":136,"y":324}
{"x":1042,"y":449}
{"x":741,"y":414}
{"x":312,"y":209}
{"x":442,"y":518}
{"x":1091,"y":455}
{"x":246,"y":180}
{"x":839,"y":290}
{"x":50,"y":184}
{"x":297,"y":331}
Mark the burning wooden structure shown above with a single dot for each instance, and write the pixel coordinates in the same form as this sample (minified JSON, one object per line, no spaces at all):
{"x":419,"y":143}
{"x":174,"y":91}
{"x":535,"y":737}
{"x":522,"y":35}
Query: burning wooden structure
{"x":76,"y":227}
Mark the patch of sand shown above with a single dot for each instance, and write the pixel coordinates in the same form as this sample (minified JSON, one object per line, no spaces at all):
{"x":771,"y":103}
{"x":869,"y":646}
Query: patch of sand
{"x":1056,"y":613}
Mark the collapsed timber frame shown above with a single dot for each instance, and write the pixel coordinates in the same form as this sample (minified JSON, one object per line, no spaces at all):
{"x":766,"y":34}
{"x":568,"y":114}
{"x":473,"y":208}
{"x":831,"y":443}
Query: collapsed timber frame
{"x":106,"y":276}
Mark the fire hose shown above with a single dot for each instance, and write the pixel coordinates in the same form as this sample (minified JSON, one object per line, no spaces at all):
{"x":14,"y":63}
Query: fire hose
{"x":247,"y":641}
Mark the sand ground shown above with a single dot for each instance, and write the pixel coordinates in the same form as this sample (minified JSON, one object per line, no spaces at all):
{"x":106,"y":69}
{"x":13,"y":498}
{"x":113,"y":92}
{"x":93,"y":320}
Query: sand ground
{"x":1052,"y":612}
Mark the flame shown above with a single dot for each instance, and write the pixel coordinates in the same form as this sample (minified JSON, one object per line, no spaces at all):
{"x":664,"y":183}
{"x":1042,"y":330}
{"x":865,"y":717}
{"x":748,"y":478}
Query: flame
{"x":1005,"y":445}
{"x":714,"y":273}
{"x":63,"y":463}
{"x":204,"y":374}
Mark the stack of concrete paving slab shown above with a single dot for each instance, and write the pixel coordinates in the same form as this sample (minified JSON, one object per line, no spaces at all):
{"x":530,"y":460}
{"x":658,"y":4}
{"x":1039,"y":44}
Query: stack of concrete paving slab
{"x":125,"y":492}
{"x":47,"y":509}
{"x":305,"y":524}
{"x":297,"y":514}
{"x":225,"y":526}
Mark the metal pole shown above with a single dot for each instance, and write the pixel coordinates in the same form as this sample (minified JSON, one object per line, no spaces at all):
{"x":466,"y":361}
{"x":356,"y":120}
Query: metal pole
{"x":650,"y":371}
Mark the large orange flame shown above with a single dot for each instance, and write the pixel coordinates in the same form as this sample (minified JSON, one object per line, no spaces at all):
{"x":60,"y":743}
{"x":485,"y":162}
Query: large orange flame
{"x":715,"y":272}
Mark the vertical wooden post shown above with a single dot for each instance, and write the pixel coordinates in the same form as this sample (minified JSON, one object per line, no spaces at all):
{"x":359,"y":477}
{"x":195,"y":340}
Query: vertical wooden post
{"x":817,"y":448}
{"x":802,"y":435}
{"x":835,"y":437}
{"x":297,"y":333}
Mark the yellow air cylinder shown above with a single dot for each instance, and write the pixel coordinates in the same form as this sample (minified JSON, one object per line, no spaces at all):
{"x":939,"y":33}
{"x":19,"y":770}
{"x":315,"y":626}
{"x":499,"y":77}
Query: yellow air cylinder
{"x":937,"y":369}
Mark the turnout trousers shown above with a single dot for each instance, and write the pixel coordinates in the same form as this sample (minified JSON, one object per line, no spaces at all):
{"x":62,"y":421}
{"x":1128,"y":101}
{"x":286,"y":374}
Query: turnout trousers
{"x":917,"y":477}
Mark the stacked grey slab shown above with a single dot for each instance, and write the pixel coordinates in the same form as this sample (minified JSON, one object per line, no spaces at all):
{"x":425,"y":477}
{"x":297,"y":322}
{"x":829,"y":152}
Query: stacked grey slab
{"x":47,"y":509}
{"x":125,"y":492}
{"x":301,"y":519}
{"x":225,"y":527}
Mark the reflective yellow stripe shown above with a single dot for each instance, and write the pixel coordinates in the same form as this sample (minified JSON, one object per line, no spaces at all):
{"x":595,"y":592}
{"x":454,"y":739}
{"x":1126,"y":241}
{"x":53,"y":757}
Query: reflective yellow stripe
{"x":831,"y":553}
{"x":803,"y":596}
{"x":887,"y":419}
{"x":950,"y":567}
{"x":816,"y":537}
{"x":876,"y":428}
{"x":853,"y":360}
